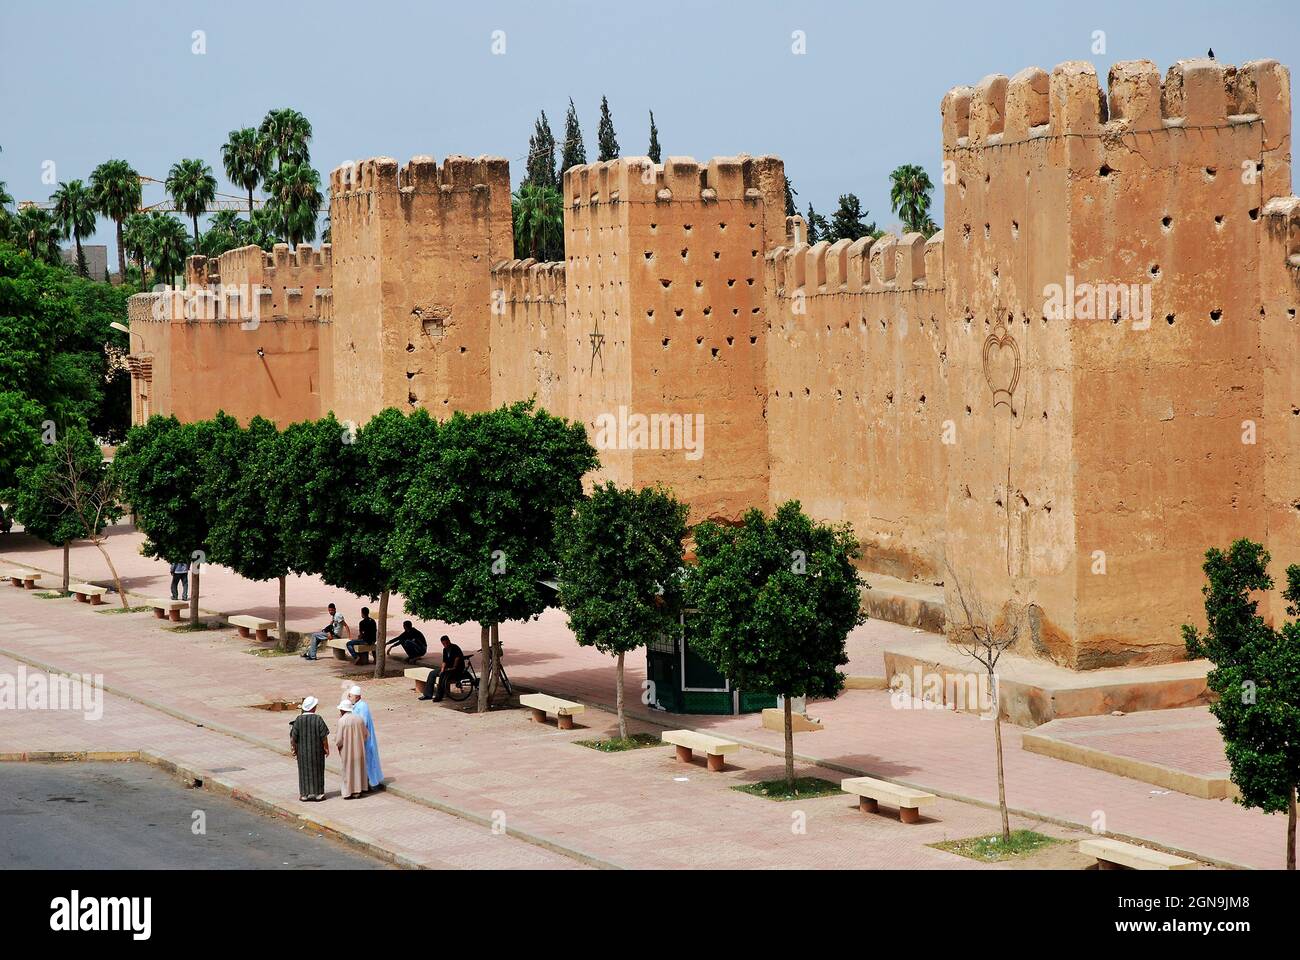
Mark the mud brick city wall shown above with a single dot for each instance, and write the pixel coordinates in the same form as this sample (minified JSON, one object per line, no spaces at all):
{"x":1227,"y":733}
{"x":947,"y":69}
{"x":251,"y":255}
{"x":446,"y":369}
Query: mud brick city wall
{"x":1085,"y":380}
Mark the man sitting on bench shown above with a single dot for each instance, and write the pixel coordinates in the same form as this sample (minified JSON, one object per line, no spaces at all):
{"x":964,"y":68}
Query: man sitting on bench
{"x":335,"y":628}
{"x":411,"y":641}
{"x":367,"y":630}
{"x":453,"y":668}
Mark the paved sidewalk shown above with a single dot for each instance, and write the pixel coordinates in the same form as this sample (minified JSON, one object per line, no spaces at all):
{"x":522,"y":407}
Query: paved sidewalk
{"x":950,"y":754}
{"x":634,"y":809}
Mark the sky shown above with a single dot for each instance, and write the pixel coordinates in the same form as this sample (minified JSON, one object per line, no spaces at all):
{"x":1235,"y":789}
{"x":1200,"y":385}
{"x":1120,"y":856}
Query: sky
{"x":82,"y":82}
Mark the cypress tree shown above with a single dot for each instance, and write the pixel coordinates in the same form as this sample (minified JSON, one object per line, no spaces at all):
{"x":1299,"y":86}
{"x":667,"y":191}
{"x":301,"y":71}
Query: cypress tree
{"x":541,"y":155}
{"x":654,"y":151}
{"x":605,"y":137}
{"x":574,"y":151}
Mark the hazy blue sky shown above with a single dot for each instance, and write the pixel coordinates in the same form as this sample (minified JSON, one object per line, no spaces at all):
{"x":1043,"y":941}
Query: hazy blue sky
{"x":83,"y":82}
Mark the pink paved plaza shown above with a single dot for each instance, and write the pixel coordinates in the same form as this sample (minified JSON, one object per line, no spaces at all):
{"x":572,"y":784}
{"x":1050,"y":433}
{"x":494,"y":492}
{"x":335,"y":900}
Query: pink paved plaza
{"x":454,"y":775}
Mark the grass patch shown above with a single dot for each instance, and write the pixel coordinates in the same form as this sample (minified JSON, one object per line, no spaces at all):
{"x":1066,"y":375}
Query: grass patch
{"x":268,"y":652}
{"x":125,"y":609}
{"x":194,"y":627}
{"x":51,"y":595}
{"x":618,"y":744}
{"x":991,"y":849}
{"x":804,"y":788}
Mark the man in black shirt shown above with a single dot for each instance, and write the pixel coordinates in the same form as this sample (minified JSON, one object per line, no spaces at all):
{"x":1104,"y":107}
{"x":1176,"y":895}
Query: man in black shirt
{"x":366,"y":631}
{"x":453,"y":668}
{"x":411,"y":640}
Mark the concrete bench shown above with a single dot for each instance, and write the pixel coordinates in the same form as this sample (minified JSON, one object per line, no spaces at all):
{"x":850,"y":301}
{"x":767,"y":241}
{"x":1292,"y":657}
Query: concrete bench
{"x":1118,"y":855}
{"x":251,"y":626}
{"x":714,"y":749}
{"x":88,"y":593}
{"x":541,"y":704}
{"x":339,"y":647}
{"x":421,"y":677}
{"x":23,"y":578}
{"x":871,"y":792}
{"x":168,"y":609}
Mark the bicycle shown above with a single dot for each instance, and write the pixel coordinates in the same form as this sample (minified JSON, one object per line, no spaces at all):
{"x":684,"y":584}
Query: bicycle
{"x":461,"y":688}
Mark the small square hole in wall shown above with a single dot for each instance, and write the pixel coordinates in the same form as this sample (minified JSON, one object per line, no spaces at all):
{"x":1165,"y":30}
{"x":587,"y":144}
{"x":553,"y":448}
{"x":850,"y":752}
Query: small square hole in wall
{"x":433,"y":319}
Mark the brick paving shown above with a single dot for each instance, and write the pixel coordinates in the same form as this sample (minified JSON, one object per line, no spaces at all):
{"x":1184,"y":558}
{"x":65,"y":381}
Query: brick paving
{"x":1185,"y":739}
{"x":211,"y":675}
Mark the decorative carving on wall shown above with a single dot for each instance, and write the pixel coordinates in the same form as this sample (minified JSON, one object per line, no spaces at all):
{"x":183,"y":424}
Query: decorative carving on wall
{"x":1002,"y":365}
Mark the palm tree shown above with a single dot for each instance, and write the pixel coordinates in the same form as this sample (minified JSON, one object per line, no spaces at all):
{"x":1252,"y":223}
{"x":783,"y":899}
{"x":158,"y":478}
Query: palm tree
{"x":286,"y":133}
{"x":264,"y":227}
{"x":246,"y":160}
{"x":116,"y":189}
{"x":36,"y":231}
{"x":296,"y":199}
{"x":226,"y":231}
{"x":167,"y":246}
{"x":135,"y":240}
{"x":74,"y":211}
{"x":909,"y":196}
{"x":193,"y":187}
{"x":539,"y":221}
{"x":6,"y":218}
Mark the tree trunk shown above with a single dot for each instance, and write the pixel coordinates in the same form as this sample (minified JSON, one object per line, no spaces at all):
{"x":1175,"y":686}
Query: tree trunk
{"x":789,"y":743}
{"x":381,"y":648}
{"x":250,"y":205}
{"x":284,"y":634}
{"x":76,"y":239}
{"x":121,"y":263}
{"x":618,"y":700}
{"x":196,"y":233}
{"x":67,"y":549}
{"x":1290,"y":830}
{"x":484,"y":641}
{"x":498,"y":670}
{"x":1002,"y":778}
{"x":194,"y":593}
{"x":117,"y":581}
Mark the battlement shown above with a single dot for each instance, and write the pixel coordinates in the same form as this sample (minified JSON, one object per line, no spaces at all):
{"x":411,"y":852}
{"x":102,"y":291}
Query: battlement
{"x":528,"y":280}
{"x":639,"y":180}
{"x":1069,"y":102}
{"x":888,"y":263}
{"x":422,"y":174}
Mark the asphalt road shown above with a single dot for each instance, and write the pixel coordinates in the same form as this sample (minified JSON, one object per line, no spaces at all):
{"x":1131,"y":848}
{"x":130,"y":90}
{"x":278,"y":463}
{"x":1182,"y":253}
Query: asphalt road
{"x":130,"y":816}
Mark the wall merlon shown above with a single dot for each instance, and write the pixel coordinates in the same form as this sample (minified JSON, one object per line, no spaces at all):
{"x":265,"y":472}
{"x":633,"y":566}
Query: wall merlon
{"x":1076,"y":104}
{"x":726,"y":177}
{"x":988,"y":106}
{"x":837,"y":267}
{"x":910,"y":260}
{"x":1134,"y":95}
{"x":1197,"y":92}
{"x":1027,"y":101}
{"x":884,"y":262}
{"x":955,"y":111}
{"x":858,"y":260}
{"x":934,"y":261}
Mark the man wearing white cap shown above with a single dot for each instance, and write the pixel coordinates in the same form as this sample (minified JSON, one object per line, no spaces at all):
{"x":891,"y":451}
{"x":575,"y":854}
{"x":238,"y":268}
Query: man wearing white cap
{"x":374,"y":773}
{"x":309,"y":738}
{"x":352,"y":750}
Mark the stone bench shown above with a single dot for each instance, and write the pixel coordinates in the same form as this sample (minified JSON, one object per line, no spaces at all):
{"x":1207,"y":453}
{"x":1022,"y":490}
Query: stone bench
{"x":23,"y":578}
{"x":421,"y":677}
{"x":339,"y":647}
{"x":871,"y":792}
{"x":1118,"y":855}
{"x":88,"y":593}
{"x":541,"y":704}
{"x":249,"y":626}
{"x":168,"y":609}
{"x":687,"y":742}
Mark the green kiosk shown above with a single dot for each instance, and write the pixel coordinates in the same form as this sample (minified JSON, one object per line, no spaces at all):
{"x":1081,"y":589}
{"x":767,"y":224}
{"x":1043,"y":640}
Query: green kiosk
{"x":684,"y":682}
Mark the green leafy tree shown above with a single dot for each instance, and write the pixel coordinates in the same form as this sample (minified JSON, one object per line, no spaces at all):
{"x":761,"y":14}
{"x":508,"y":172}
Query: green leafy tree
{"x":818,"y":228}
{"x":605,"y":138}
{"x":620,"y":570}
{"x":168,"y":246}
{"x":295,"y":201}
{"x":135,"y":242}
{"x":116,"y":189}
{"x":245,"y":157}
{"x":541,"y":155}
{"x":848,"y":222}
{"x":192,"y":187}
{"x":475,"y":535}
{"x":36,"y":231}
{"x":240,"y":469}
{"x":574,"y":152}
{"x":790,"y":194}
{"x":538,"y":214}
{"x":1256,"y":678}
{"x":775,"y":601}
{"x":21,"y":424}
{"x":7,"y":215}
{"x":75,"y":213}
{"x":75,"y":484}
{"x":226,"y":231}
{"x":909,"y":196}
{"x":160,"y":466}
{"x":287,"y":136}
{"x":653,"y":151}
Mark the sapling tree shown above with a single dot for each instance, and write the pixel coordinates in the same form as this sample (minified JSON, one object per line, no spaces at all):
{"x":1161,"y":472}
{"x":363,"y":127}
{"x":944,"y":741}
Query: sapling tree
{"x":474,"y":538}
{"x":985,"y":640}
{"x":1256,"y":678}
{"x":160,"y":466}
{"x":620,"y":569}
{"x":774,"y":602}
{"x":41,"y":513}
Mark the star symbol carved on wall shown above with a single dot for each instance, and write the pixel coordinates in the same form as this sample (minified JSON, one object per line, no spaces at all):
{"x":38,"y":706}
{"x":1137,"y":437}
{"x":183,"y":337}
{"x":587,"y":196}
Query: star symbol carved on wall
{"x":597,"y":344}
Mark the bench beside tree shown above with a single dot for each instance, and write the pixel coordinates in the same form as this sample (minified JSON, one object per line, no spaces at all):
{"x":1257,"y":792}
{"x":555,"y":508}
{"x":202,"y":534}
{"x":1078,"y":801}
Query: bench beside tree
{"x":775,"y":600}
{"x":620,"y":569}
